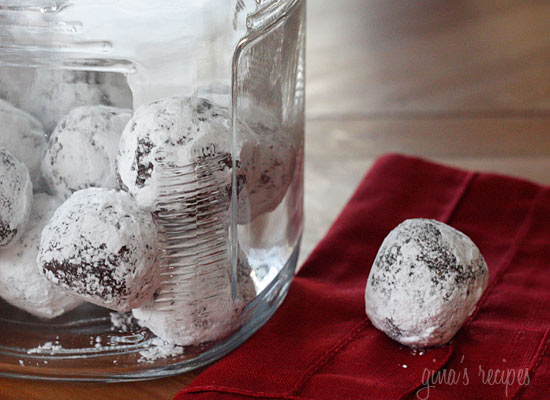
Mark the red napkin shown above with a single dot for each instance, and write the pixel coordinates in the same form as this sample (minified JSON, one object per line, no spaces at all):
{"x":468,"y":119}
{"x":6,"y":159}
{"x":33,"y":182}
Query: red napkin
{"x":321,"y":345}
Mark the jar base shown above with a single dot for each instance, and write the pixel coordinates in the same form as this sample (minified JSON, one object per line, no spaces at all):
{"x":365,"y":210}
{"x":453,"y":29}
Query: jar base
{"x":89,"y":350}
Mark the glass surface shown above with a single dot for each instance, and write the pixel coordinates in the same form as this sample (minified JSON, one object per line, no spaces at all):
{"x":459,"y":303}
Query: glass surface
{"x":227,"y":209}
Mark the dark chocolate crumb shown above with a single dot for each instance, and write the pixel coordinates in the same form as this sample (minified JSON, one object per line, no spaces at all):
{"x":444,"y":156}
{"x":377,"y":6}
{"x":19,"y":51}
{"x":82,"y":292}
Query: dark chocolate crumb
{"x":144,"y":170}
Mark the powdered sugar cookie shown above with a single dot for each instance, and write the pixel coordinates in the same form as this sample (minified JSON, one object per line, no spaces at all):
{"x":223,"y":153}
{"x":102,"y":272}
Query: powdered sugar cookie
{"x":82,"y":149}
{"x":23,"y":136}
{"x":268,"y":164}
{"x":425,"y":281}
{"x":100,"y":246}
{"x":173,"y":132}
{"x":49,"y":95}
{"x":189,"y":131}
{"x":15,"y":198}
{"x":21,"y":283}
{"x":205,"y":310}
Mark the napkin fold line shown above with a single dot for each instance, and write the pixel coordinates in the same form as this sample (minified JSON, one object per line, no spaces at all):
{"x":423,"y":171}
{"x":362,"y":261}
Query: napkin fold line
{"x":242,"y":392}
{"x":325,"y":357}
{"x":460,"y":194}
{"x":537,"y":360}
{"x":519,"y":239}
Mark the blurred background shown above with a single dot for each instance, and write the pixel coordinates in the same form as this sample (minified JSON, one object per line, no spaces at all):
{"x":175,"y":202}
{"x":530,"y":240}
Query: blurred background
{"x":466,"y":83}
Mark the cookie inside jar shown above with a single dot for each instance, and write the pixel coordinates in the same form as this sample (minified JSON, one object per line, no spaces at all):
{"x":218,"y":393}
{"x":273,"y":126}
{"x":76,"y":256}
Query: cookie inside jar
{"x":151,"y":193}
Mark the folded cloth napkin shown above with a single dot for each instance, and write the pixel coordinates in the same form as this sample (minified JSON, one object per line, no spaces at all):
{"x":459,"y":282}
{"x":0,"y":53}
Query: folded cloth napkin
{"x":321,"y":345}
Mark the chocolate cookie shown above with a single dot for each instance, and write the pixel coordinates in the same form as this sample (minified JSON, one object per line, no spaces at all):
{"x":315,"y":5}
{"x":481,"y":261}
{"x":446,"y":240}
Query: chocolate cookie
{"x":268,"y":164}
{"x":82,"y":149}
{"x":23,"y":136}
{"x":425,"y":281}
{"x":201,"y":309}
{"x":100,"y":246}
{"x":15,"y":198}
{"x":21,"y":283}
{"x":49,"y":94}
{"x":176,"y":132}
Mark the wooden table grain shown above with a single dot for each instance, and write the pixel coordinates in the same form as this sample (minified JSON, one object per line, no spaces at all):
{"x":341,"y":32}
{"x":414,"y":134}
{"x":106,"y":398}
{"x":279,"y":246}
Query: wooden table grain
{"x":465,"y":83}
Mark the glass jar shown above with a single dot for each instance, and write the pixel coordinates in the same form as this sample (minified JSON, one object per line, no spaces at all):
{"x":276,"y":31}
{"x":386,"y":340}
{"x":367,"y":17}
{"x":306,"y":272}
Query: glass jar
{"x":152,"y":163}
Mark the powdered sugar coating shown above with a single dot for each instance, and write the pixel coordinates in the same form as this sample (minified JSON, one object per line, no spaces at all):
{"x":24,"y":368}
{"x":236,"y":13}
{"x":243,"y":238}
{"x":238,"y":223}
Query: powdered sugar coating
{"x":15,"y":198}
{"x":50,"y":94}
{"x":159,"y":349}
{"x":425,"y":281}
{"x":23,"y":136}
{"x":268,"y":163}
{"x":100,"y":246}
{"x":181,"y":131}
{"x":202,"y":315}
{"x":176,"y":131}
{"x":82,"y":149}
{"x":21,"y":283}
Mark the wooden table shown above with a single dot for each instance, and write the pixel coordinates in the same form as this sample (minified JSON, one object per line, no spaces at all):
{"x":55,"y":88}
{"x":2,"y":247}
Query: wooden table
{"x":466,"y":83}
